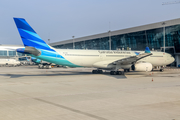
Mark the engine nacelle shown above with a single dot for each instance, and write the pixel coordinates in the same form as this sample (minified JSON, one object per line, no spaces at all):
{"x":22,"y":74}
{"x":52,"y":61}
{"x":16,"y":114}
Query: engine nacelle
{"x":142,"y":67}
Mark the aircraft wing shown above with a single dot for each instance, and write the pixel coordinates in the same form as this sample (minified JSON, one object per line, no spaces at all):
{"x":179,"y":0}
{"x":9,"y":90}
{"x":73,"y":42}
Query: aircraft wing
{"x":131,"y":59}
{"x":125,"y":61}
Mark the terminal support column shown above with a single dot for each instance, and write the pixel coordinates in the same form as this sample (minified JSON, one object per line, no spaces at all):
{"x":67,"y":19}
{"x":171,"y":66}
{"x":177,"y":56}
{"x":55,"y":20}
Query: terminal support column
{"x":164,"y":34}
{"x":109,"y":40}
{"x":164,"y":38}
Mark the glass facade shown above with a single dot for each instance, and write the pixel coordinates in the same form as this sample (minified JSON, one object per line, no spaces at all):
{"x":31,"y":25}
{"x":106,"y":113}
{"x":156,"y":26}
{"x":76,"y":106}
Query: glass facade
{"x":65,"y":46}
{"x":20,"y":54}
{"x":12,"y":53}
{"x":154,"y":38}
{"x":173,"y":37}
{"x":3,"y":53}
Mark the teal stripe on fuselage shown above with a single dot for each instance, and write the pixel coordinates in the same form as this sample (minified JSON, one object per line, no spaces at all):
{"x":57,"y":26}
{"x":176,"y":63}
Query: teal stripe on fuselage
{"x":55,"y":60}
{"x":54,"y":57}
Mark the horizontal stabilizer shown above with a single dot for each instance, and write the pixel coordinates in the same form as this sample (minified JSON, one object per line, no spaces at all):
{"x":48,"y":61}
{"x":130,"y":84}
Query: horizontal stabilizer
{"x":29,"y":50}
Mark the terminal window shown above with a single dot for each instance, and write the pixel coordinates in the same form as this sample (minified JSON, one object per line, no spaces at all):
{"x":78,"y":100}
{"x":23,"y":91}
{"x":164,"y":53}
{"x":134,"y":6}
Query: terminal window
{"x":3,"y":53}
{"x":21,"y":54}
{"x":12,"y":53}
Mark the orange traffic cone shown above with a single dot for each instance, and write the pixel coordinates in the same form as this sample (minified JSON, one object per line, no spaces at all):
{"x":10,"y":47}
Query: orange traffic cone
{"x":152,"y":80}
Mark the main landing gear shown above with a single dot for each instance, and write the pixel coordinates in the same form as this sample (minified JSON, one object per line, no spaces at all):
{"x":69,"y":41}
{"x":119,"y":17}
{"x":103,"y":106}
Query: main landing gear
{"x":111,"y":73}
{"x":116,"y":73}
{"x":97,"y":71}
{"x":126,"y":70}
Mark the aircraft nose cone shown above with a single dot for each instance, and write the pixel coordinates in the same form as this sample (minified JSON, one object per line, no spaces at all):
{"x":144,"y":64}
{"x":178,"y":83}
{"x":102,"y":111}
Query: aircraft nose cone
{"x":173,"y":59}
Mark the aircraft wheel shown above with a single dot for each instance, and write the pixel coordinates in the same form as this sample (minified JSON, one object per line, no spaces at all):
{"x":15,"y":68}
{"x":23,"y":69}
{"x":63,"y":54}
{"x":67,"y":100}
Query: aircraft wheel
{"x":100,"y":71}
{"x":44,"y":67}
{"x":40,"y":66}
{"x":118,"y":73}
{"x":126,"y":70}
{"x":113,"y":72}
{"x":161,"y":70}
{"x":94,"y":71}
{"x":47,"y":67}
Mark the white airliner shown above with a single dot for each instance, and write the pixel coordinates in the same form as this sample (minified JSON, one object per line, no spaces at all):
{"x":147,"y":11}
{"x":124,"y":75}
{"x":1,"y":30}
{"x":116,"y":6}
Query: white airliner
{"x":100,"y":59}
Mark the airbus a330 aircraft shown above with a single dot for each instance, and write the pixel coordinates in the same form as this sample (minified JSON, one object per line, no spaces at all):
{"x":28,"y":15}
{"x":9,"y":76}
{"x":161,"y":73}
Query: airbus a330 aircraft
{"x":100,"y":59}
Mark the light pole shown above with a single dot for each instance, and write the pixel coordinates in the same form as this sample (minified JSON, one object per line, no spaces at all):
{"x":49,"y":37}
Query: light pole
{"x":73,"y":41}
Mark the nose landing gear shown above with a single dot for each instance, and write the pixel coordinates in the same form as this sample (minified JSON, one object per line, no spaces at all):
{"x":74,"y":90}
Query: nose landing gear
{"x":161,"y":70}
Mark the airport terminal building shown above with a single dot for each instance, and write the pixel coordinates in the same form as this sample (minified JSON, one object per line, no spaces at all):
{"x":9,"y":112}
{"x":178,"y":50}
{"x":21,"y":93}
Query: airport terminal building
{"x":9,"y":51}
{"x":157,"y":36}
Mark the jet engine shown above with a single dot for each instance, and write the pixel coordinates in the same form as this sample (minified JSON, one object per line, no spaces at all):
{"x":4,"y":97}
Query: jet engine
{"x":142,"y":67}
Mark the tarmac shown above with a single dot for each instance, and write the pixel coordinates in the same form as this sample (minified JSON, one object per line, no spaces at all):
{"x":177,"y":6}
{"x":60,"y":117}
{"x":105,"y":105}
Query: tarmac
{"x":29,"y":93}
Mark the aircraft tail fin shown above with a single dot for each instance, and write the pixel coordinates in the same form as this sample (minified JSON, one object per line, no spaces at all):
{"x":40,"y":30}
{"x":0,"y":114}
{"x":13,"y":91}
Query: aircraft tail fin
{"x":29,"y":36}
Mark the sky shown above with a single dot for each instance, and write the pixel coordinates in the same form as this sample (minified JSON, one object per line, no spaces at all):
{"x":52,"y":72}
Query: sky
{"x":59,"y":20}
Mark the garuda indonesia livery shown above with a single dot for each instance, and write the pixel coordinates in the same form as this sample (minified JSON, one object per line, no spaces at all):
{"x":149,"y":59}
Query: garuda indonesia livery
{"x":100,"y":59}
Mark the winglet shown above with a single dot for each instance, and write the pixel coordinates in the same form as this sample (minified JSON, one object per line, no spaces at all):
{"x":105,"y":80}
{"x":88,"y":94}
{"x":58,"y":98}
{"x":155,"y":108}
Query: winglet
{"x":147,"y":50}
